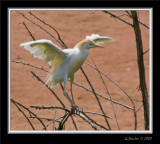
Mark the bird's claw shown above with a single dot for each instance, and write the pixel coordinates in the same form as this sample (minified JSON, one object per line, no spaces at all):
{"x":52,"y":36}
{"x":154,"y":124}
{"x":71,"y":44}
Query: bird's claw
{"x":76,"y":110}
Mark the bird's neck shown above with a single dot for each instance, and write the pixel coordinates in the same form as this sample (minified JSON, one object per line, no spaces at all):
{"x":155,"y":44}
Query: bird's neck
{"x":82,"y":51}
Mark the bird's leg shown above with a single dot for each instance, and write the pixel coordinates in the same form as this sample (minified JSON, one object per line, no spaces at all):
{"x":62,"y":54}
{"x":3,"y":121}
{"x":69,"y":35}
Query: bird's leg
{"x":71,"y":81}
{"x":74,"y":109}
{"x":64,"y":91}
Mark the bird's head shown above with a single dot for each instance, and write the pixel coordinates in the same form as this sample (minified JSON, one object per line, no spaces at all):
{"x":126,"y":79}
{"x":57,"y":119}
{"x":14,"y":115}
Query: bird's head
{"x":87,"y":44}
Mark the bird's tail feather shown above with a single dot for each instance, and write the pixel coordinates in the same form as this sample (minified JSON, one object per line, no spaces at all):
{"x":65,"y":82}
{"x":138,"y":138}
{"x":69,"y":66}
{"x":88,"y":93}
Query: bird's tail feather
{"x":50,"y":77}
{"x":50,"y":80}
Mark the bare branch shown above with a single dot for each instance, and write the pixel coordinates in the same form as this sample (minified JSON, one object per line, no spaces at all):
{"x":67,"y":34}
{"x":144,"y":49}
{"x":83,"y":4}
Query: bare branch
{"x":23,"y":114}
{"x":96,"y":97}
{"x":59,"y":37}
{"x":145,"y":51}
{"x":129,"y":15}
{"x":28,"y":31}
{"x":135,"y":115}
{"x":117,"y":17}
{"x":41,"y":68}
{"x":107,"y":93}
{"x":74,"y":123}
{"x":141,"y":68}
{"x":93,"y":121}
{"x":103,"y":96}
{"x":54,"y":119}
{"x":28,"y":111}
{"x":139,"y":108}
{"x":63,"y":121}
{"x":40,"y":27}
{"x":49,"y":107}
{"x":98,"y":114}
{"x":48,"y":119}
{"x":48,"y":88}
{"x":88,"y":121}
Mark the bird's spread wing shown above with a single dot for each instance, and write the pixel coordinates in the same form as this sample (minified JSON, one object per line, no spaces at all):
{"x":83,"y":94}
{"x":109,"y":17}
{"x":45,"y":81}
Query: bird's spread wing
{"x":99,"y":39}
{"x":45,"y":50}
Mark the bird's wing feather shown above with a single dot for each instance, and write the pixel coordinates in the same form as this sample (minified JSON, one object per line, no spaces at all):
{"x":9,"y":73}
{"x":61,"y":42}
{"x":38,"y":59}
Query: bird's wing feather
{"x":99,"y":39}
{"x":44,"y":49}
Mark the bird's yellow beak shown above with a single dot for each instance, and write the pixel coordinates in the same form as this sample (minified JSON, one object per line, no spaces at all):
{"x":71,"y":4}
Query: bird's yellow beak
{"x":99,"y":46}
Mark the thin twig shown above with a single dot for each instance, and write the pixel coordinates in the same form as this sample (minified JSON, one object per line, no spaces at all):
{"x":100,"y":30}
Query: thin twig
{"x":139,"y":108}
{"x":107,"y":93}
{"x":29,"y":112}
{"x":98,"y":114}
{"x":74,"y":123}
{"x":108,"y":78}
{"x":117,"y":17}
{"x":54,"y":119}
{"x":88,"y":121}
{"x":63,"y":121}
{"x":48,"y":88}
{"x":47,"y":125}
{"x":49,"y":107}
{"x":129,"y":15}
{"x":28,"y":31}
{"x":96,"y":98}
{"x":103,"y":96}
{"x":145,"y":51}
{"x":59,"y":37}
{"x":24,"y":63}
{"x":93,"y":121}
{"x":48,"y":119}
{"x":23,"y":114}
{"x":135,"y":115}
{"x":40,"y":27}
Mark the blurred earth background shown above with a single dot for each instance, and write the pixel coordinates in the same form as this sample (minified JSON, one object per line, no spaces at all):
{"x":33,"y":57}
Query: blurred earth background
{"x":118,"y":60}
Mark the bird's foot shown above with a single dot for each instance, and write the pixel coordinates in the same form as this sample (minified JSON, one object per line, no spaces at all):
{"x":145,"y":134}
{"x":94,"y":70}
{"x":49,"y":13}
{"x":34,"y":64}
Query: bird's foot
{"x":76,"y":110}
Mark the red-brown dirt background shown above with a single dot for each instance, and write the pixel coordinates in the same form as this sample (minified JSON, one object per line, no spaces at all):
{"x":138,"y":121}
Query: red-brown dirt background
{"x":118,"y":60}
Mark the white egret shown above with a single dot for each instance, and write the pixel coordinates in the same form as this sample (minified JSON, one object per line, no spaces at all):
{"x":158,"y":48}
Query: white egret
{"x":64,"y":63}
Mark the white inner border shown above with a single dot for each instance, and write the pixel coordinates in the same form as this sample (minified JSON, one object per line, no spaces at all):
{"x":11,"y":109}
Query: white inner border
{"x":87,"y":132}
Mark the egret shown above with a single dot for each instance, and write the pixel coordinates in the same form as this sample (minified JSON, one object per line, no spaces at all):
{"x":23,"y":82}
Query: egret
{"x":64,"y":63}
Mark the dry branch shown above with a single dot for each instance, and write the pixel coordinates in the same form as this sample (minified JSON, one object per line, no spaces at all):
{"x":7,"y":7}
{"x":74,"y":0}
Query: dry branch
{"x":59,"y":37}
{"x":117,"y":17}
{"x":96,"y":98}
{"x":23,"y":113}
{"x":17,"y":103}
{"x":107,"y":93}
{"x":49,"y":89}
{"x":24,"y":63}
{"x":143,"y":86}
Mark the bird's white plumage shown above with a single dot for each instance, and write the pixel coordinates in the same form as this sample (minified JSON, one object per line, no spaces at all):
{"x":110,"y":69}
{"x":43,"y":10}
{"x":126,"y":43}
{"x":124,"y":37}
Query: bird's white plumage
{"x":64,"y":63}
{"x":44,"y":49}
{"x":99,"y":39}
